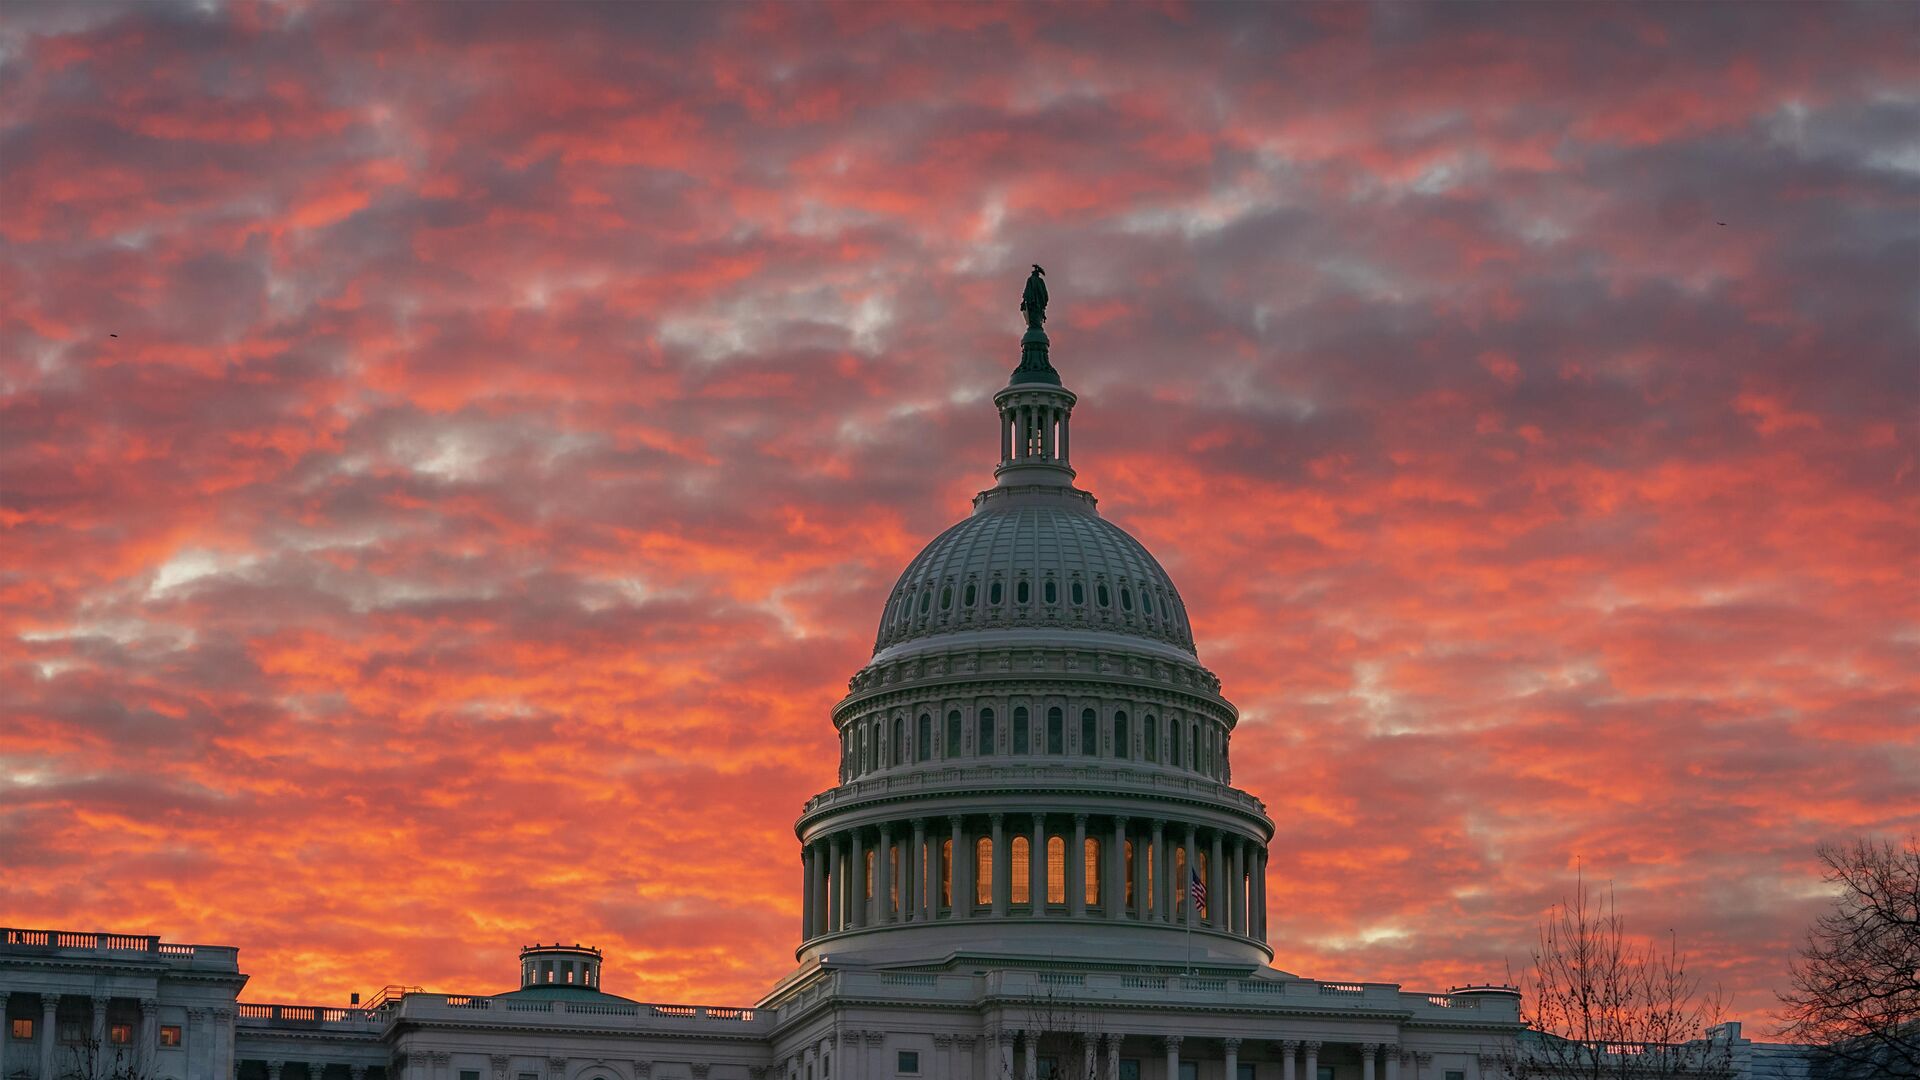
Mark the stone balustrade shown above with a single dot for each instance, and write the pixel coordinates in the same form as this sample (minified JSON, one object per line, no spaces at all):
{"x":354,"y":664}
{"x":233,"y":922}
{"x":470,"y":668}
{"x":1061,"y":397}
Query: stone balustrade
{"x":77,"y":943}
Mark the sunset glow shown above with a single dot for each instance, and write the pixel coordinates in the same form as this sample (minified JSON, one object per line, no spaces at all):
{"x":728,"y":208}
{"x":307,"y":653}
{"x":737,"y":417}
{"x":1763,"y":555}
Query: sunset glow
{"x":453,"y":456}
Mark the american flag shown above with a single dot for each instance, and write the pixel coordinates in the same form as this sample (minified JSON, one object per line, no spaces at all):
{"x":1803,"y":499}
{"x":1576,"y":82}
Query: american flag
{"x":1198,"y":889}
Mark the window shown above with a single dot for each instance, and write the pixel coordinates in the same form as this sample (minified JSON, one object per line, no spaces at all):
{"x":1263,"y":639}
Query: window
{"x":23,"y":1029}
{"x":1456,"y":1074}
{"x":986,"y":744}
{"x":1020,"y":732}
{"x":1130,"y":1069}
{"x":1048,"y":1068}
{"x":899,"y":741}
{"x":1022,"y":593}
{"x":946,"y":873}
{"x":926,"y":598}
{"x":953,"y":734}
{"x":170,"y":1035}
{"x":1106,"y":599}
{"x":71,"y":1031}
{"x":908,"y":1062}
{"x":469,"y":1074}
{"x":1245,"y":1072}
{"x":1053,"y":592}
{"x":1020,"y":873}
{"x":867,"y":856}
{"x":925,"y":749}
{"x":1189,"y":1070}
{"x":1326,"y":1072}
{"x":1150,"y":736}
{"x":1090,"y":871}
{"x":1079,"y":594}
{"x":993,"y":594}
{"x":120,"y":1034}
{"x":1146,"y":601}
{"x":1179,"y":879}
{"x":1089,"y":732}
{"x":1173,"y":743}
{"x":946,"y":598}
{"x":1126,"y":598}
{"x":1056,"y":731}
{"x":1056,"y":869}
{"x":1120,"y":747}
{"x":983,"y":870}
{"x":972,"y":594}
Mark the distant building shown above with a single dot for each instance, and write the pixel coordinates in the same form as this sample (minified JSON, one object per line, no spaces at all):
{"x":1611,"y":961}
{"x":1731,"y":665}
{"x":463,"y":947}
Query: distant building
{"x":1035,"y":865}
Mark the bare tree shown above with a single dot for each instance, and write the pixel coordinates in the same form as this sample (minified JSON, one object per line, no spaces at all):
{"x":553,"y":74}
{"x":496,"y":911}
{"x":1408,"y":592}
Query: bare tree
{"x":91,"y":1059}
{"x":1601,"y":1006}
{"x":1065,"y":1032}
{"x":1856,"y":982}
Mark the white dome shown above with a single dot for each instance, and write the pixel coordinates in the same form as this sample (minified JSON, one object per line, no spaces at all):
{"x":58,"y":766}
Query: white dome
{"x":1045,"y":560}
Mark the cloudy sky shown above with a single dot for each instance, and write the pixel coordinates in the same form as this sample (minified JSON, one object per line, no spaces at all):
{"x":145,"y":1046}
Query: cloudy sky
{"x":454,"y":455}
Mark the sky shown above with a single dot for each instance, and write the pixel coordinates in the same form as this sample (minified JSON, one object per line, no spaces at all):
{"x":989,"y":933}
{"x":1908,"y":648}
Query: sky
{"x":453,"y":456}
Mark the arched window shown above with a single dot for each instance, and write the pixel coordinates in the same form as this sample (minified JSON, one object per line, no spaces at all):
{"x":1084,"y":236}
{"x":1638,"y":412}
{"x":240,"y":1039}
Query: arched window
{"x":946,"y":873}
{"x":1121,"y":748}
{"x":1173,"y":743}
{"x":1079,"y":594}
{"x":953,"y":734}
{"x":1126,"y":598}
{"x":1149,"y":737}
{"x":1056,"y":731}
{"x":1129,"y":873}
{"x":1090,"y":870}
{"x":1089,"y":732}
{"x":983,"y":870}
{"x":1056,"y":869}
{"x":1146,"y":601}
{"x":1203,"y":860}
{"x":899,"y":741}
{"x":1021,"y":743}
{"x":946,"y":598}
{"x":1053,"y":591}
{"x":1179,"y":881}
{"x":923,"y":749}
{"x":926,"y":600}
{"x":1022,"y":592}
{"x":994,"y":594}
{"x":1021,"y":859}
{"x":868,"y":856}
{"x":972,"y":594}
{"x":1106,"y":598}
{"x":986,"y":743}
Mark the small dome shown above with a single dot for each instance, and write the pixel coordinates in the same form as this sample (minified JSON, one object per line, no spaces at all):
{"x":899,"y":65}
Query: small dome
{"x":1041,"y":561}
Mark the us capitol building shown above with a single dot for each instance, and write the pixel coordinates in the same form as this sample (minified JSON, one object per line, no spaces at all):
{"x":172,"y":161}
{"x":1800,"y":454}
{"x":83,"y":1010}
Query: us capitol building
{"x":1034,"y":865}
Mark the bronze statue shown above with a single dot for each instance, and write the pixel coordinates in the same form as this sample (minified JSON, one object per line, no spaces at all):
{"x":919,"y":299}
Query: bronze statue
{"x":1033,"y":302}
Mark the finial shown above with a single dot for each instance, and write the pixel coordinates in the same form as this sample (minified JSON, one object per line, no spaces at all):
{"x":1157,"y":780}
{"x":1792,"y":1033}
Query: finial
{"x":1033,"y":302}
{"x":1034,"y":365}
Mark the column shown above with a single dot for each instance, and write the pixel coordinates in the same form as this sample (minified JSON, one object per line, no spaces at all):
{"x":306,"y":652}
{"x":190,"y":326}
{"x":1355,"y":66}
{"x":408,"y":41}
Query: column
{"x":1219,"y":898}
{"x":1037,"y":875}
{"x":1312,"y":1047}
{"x":1259,"y":894}
{"x":274,"y":1068}
{"x":1141,"y":863}
{"x":1157,"y":883}
{"x":1002,"y":880}
{"x":357,"y":1072}
{"x":835,"y":879}
{"x":1368,"y":1051}
{"x":1238,"y":915}
{"x":856,"y":881}
{"x":1113,"y":1055}
{"x":883,"y":878}
{"x":915,"y":872}
{"x":1089,"y":1049}
{"x":962,"y":870}
{"x":902,"y":878}
{"x":1116,"y":898}
{"x":1064,"y":418}
{"x":1193,"y":871}
{"x":1006,"y":438}
{"x":1393,"y":1062}
{"x":807,"y":861}
{"x":100,"y":1021}
{"x":149,"y":1024}
{"x":1006,"y":1051}
{"x":1289,"y":1050}
{"x":1032,"y":1059}
{"x":1422,"y":1065}
{"x":1077,"y":868}
{"x":1172,"y":1043}
{"x":49,"y":1015}
{"x":1232,"y":1047}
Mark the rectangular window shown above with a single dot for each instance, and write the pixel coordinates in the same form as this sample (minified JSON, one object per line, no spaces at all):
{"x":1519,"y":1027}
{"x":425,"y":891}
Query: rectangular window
{"x":1048,"y":1068}
{"x":1245,"y":1073}
{"x":72,"y":1031}
{"x":1326,"y":1072}
{"x":1189,"y":1070}
{"x":1130,"y":1069}
{"x":22,"y":1029}
{"x":1456,"y":1074}
{"x":120,"y":1034}
{"x":529,"y":1076}
{"x":909,"y":1063}
{"x":469,"y":1074}
{"x":169,"y":1034}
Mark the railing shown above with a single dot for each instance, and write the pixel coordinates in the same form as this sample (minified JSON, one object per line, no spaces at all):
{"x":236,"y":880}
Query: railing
{"x":310,"y":1014}
{"x":1342,"y":988}
{"x":417,"y":1006}
{"x":78,"y":941}
{"x":1037,"y":771}
{"x":903,"y":978}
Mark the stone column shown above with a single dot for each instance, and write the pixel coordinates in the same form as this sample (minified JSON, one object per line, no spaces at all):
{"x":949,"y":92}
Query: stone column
{"x":1368,"y":1051}
{"x":1172,"y":1043}
{"x":1037,"y":873}
{"x":149,"y":1039}
{"x":1237,"y":917}
{"x":357,"y":1072}
{"x":100,"y":1021}
{"x":274,"y":1068}
{"x":1002,"y":883}
{"x":917,"y":873}
{"x":1031,"y":1066}
{"x":1113,"y":1055}
{"x":851,"y":1061}
{"x":1232,"y":1048}
{"x":1219,"y":898}
{"x":883,"y":877}
{"x":1142,"y":863}
{"x":962,"y":870}
{"x":1422,"y":1065}
{"x":1157,"y":881}
{"x":1289,"y":1054}
{"x":856,"y":881}
{"x":1006,"y":1051}
{"x":1116,"y":898}
{"x":1077,"y":868}
{"x":836,"y":884}
{"x":1393,"y":1062}
{"x":1259,"y":920}
{"x":1312,"y":1047}
{"x":49,"y":1016}
{"x":1193,"y":870}
{"x":1089,"y":1051}
{"x":807,"y":861}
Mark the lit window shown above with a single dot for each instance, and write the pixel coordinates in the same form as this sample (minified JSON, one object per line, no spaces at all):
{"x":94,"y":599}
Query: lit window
{"x":170,"y":1035}
{"x":946,"y":873}
{"x":909,"y":1062}
{"x":1021,"y":862}
{"x":1056,"y":870}
{"x":1091,"y":871}
{"x":22,"y":1029}
{"x":120,"y":1034}
{"x":1129,"y":876}
{"x":983,"y":870}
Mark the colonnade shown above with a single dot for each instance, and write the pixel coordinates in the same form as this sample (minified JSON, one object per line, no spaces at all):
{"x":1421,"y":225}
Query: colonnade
{"x":1015,"y":1053}
{"x":1035,"y":431}
{"x":1077,"y":865}
{"x":138,"y":1039}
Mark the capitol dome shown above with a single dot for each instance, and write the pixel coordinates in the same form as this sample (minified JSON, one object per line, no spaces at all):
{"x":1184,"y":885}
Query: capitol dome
{"x":1034,"y":758}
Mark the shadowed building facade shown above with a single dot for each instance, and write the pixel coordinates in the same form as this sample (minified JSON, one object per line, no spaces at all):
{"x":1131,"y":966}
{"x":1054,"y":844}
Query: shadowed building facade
{"x":1034,"y":865}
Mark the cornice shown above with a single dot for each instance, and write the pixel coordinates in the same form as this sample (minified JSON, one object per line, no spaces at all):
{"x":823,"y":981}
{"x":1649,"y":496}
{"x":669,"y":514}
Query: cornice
{"x":1041,"y":664}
